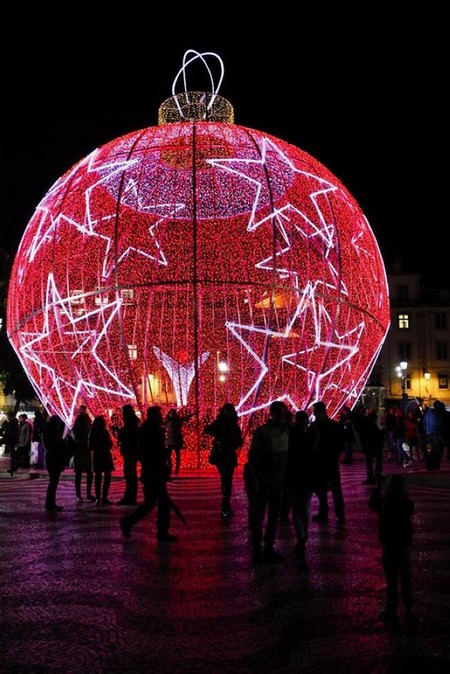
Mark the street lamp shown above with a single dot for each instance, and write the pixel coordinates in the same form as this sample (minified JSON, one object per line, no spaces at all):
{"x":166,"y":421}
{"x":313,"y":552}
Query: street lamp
{"x":426,"y":373}
{"x":401,"y":372}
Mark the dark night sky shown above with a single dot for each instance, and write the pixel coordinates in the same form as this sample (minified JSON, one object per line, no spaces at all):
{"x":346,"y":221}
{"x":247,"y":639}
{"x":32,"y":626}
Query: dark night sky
{"x":358,"y":91}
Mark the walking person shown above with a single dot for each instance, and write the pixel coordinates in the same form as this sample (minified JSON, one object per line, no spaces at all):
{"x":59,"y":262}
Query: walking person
{"x":395,"y":530}
{"x":127,"y":437}
{"x":267,"y":459}
{"x":227,"y":436}
{"x":301,"y":478}
{"x":82,"y":456}
{"x":152,"y":456}
{"x":329,"y":452}
{"x":55,"y":458}
{"x":100,"y":444}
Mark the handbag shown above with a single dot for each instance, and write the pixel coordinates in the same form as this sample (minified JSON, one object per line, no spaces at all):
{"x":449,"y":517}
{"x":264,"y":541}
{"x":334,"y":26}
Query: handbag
{"x":215,"y":453}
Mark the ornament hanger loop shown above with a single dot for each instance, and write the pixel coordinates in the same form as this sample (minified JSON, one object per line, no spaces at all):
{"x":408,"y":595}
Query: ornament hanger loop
{"x":187,"y":60}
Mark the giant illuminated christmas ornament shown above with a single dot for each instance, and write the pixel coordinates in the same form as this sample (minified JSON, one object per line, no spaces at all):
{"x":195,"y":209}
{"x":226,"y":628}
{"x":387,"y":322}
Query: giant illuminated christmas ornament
{"x":197,"y":262}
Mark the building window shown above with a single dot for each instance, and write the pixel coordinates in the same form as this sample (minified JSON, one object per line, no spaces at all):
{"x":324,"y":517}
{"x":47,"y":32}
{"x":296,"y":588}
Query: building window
{"x":101,"y":300}
{"x":408,"y":382}
{"x":132,"y":351}
{"x":77,"y":302}
{"x":402,"y":292}
{"x":403,"y":321}
{"x":443,"y":381}
{"x":127,"y":295}
{"x":404,"y":351}
{"x":441,"y":350}
{"x":440,"y":321}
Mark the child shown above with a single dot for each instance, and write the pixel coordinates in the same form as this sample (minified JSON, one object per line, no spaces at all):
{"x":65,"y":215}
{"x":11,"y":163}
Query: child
{"x":395,"y":510}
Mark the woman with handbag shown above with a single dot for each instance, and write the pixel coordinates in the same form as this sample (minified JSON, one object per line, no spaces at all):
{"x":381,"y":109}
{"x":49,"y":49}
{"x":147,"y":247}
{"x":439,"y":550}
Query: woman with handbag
{"x":227,"y":436}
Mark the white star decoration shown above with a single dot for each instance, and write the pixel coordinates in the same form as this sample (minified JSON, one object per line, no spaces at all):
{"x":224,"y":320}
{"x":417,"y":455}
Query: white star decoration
{"x":60,"y":326}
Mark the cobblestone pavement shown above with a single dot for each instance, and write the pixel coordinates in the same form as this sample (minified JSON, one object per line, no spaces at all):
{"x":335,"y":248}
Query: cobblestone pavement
{"x":77,"y":598}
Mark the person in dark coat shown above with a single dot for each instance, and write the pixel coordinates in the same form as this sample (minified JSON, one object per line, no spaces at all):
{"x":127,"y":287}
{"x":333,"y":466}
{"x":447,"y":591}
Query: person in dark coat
{"x":55,"y":458}
{"x":24,"y":441}
{"x":395,"y":530}
{"x":437,"y":435}
{"x":227,"y":435}
{"x":301,"y":477}
{"x":175,"y":439}
{"x":40,"y":417}
{"x":82,"y":456}
{"x":152,"y":456}
{"x":330,"y":446}
{"x":371,"y":438}
{"x":267,"y":459}
{"x":100,"y":443}
{"x":11,"y":438}
{"x":349,"y":434}
{"x":127,"y":437}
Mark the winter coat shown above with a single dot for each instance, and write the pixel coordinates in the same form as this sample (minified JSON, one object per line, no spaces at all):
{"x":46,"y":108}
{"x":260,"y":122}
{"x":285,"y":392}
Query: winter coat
{"x":152,"y":452}
{"x":227,"y":432}
{"x":100,"y":443}
{"x":268,"y":452}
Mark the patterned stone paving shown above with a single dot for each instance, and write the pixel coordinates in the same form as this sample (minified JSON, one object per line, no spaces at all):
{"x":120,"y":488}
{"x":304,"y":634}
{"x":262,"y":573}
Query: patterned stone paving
{"x":77,"y":598}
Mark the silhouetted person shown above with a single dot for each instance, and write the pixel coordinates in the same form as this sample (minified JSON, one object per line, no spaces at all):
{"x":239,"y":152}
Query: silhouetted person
{"x":11,"y":438}
{"x":55,"y":458}
{"x":127,"y":437}
{"x":301,"y":477}
{"x":395,"y":509}
{"x":371,"y":438}
{"x":435,"y":424}
{"x":24,"y":441}
{"x":227,"y":434}
{"x":100,"y":443}
{"x":267,"y":459}
{"x":349,"y":434}
{"x":152,"y":455}
{"x":329,"y":452}
{"x":82,"y":456}
{"x":175,"y":439}
{"x":40,"y":417}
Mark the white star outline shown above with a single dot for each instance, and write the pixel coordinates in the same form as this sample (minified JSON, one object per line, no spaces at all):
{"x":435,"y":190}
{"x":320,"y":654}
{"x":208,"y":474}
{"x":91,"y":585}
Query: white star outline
{"x":167,"y":211}
{"x":48,"y":225}
{"x":61,"y":308}
{"x":289,"y":214}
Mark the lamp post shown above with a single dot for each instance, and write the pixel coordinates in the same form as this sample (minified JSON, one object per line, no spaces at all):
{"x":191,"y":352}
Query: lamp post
{"x":401,"y":372}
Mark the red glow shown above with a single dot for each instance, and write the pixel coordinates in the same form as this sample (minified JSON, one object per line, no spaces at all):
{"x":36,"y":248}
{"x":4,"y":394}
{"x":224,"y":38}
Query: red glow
{"x":175,"y":246}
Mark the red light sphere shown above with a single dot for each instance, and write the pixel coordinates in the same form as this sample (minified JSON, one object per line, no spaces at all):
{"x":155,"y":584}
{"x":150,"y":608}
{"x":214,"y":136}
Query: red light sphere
{"x":197,"y":262}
